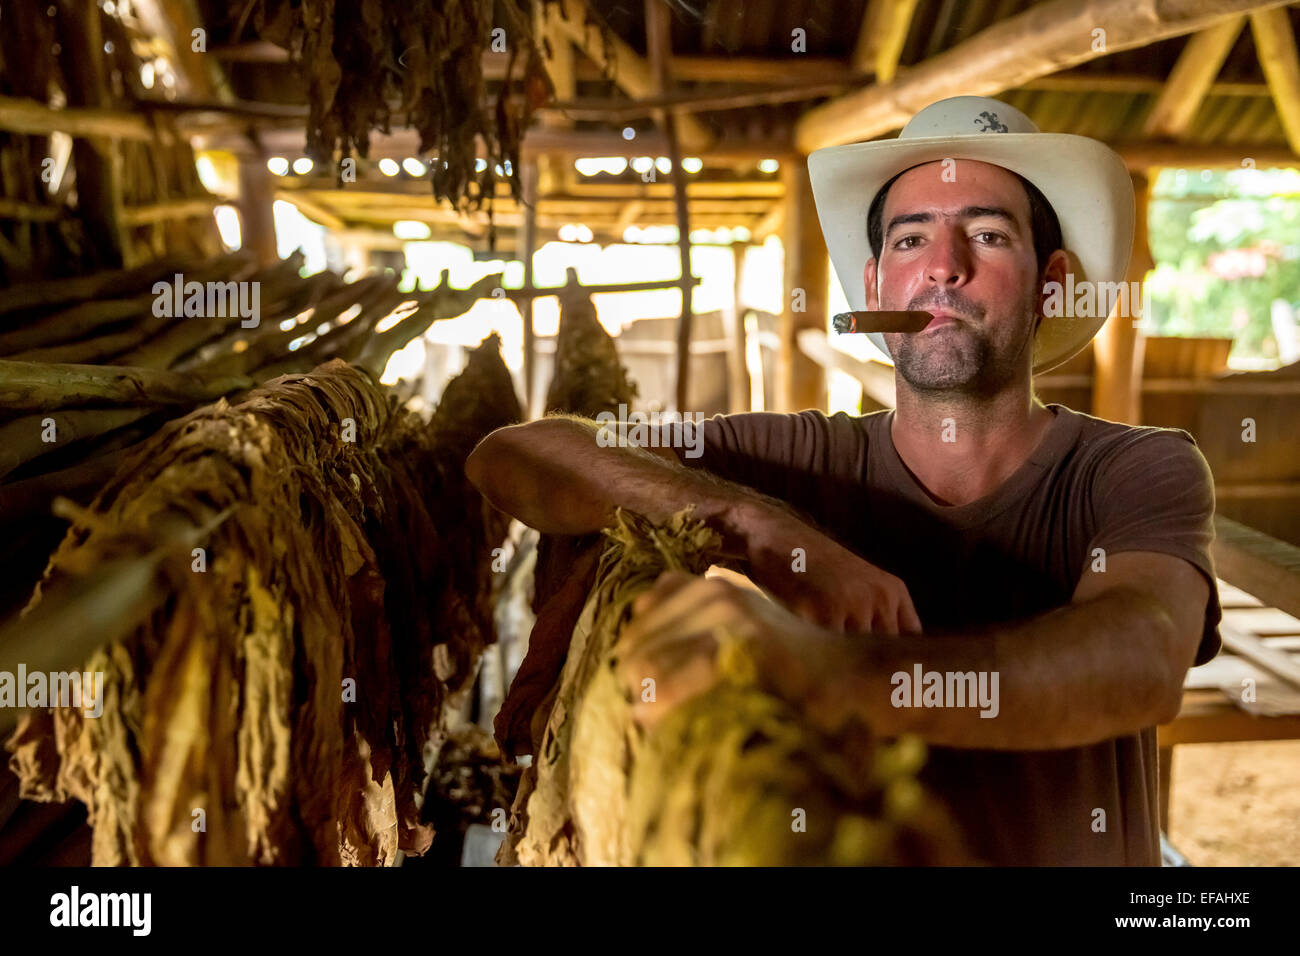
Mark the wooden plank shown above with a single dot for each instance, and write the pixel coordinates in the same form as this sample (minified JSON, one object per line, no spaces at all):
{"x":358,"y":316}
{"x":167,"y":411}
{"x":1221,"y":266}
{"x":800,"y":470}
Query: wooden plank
{"x":1231,"y":596}
{"x":1262,"y":621}
{"x":1258,"y":564}
{"x":1276,"y":662}
{"x":1209,"y":717}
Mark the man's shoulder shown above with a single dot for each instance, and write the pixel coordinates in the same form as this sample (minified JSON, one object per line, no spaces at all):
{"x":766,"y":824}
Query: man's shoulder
{"x":1104,"y":447}
{"x":1100,"y":436}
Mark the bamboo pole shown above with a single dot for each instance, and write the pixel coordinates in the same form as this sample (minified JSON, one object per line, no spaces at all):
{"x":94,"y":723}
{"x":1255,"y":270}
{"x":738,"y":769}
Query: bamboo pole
{"x":36,"y":386}
{"x":23,"y":439}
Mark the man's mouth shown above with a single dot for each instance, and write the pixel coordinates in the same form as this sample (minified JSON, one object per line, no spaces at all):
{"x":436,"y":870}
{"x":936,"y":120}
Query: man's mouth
{"x":941,"y":319}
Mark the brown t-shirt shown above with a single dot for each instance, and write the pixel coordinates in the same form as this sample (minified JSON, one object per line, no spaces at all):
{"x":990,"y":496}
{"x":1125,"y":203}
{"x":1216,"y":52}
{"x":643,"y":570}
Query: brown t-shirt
{"x":1013,"y":554}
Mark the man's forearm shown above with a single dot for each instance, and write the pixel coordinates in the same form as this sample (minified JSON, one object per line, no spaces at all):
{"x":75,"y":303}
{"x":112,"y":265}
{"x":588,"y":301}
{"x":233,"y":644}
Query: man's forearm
{"x":553,"y":476}
{"x":1080,"y":674}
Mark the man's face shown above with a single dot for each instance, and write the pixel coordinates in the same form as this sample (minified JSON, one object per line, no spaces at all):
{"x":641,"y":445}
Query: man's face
{"x":964,"y":251}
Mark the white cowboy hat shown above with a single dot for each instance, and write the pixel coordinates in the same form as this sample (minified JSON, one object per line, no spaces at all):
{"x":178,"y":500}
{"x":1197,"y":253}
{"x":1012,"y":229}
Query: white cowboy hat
{"x":1085,"y":181}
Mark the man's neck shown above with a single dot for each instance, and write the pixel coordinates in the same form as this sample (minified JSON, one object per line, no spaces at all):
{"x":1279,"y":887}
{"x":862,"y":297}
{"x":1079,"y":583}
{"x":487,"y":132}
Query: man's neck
{"x":962,"y":447}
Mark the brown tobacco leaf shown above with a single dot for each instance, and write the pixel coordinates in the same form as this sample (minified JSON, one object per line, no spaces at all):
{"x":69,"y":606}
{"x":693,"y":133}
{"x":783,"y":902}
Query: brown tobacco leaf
{"x":347,"y":546}
{"x":723,"y":778}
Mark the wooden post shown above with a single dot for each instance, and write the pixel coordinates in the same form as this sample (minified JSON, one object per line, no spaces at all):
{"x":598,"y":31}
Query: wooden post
{"x":98,"y":161}
{"x":801,"y":382}
{"x":257,"y":210}
{"x":1117,"y":349}
{"x":657,"y":42}
{"x":738,"y":399}
{"x":527,"y":249}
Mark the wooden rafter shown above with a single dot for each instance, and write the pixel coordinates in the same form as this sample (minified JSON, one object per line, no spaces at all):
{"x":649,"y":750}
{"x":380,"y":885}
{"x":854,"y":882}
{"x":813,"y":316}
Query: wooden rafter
{"x":631,"y":71}
{"x":884,"y":29}
{"x":1045,"y":38}
{"x":1275,"y":41}
{"x":1190,"y":79}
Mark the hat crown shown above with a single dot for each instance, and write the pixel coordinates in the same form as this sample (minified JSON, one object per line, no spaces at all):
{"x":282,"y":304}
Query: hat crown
{"x":967,"y":116}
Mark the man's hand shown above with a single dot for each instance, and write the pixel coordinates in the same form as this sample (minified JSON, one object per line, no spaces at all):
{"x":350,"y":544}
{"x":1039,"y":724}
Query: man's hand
{"x":837,"y":589}
{"x":674,"y":636}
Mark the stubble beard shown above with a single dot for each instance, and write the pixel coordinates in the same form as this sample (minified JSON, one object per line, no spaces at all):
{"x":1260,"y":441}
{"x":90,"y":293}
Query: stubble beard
{"x":961,"y":357}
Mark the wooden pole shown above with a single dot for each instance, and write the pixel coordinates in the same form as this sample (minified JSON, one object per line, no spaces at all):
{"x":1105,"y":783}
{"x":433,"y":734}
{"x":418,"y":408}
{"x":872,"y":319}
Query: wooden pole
{"x":734,"y":318}
{"x":1117,"y":349}
{"x":801,"y":383}
{"x":98,"y":162}
{"x":658,"y":42}
{"x":528,"y":248}
{"x":257,"y":210}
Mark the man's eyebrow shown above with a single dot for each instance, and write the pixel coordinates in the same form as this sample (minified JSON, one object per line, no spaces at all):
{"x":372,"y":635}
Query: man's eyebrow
{"x":967,"y":212}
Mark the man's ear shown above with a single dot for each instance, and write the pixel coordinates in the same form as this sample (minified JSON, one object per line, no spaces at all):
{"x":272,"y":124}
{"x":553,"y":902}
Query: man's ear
{"x":1053,"y":271}
{"x":869,"y":280}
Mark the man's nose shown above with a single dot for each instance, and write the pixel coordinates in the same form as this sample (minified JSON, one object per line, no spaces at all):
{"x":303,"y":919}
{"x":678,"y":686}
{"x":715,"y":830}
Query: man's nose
{"x":949,"y":260}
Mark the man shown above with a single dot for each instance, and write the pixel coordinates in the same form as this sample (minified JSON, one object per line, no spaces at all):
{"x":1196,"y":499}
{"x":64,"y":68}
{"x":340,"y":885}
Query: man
{"x":1060,"y":560}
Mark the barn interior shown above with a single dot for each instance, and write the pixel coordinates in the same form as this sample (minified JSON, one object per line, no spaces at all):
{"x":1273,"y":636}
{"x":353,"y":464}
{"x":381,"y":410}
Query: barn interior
{"x":244,"y":508}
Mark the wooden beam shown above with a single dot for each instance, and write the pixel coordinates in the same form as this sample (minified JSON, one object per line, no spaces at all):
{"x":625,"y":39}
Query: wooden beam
{"x":754,"y":69}
{"x":1045,"y":38}
{"x":169,"y":210}
{"x":733,"y":98}
{"x":1117,"y":349}
{"x":876,"y":378}
{"x":884,"y":29}
{"x":1143,"y":156}
{"x":1275,"y":42}
{"x":1190,"y":79}
{"x":801,"y":383}
{"x":627,"y":68}
{"x":1082,"y":81}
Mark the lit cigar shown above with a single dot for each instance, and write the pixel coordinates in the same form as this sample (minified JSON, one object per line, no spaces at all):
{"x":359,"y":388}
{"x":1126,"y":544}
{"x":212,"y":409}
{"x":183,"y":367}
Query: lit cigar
{"x":881,"y":321}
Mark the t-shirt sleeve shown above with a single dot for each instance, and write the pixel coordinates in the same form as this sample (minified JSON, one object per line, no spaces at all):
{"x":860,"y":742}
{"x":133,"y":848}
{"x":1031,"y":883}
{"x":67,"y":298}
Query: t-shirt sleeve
{"x":1158,"y":495}
{"x":778,"y":454}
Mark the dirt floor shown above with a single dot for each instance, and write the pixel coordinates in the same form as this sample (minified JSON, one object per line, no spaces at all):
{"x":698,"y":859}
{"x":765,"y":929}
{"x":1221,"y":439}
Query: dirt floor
{"x":1237,"y":804}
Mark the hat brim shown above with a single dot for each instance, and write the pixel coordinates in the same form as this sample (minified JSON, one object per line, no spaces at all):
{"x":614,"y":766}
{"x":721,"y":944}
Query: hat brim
{"x":1085,"y":181}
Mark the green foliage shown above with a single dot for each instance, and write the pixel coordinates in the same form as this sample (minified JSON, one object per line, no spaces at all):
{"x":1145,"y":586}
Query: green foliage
{"x":1195,"y":216}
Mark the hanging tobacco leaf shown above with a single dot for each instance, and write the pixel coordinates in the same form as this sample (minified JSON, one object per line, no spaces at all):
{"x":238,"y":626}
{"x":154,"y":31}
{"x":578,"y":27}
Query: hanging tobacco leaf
{"x":418,"y":63}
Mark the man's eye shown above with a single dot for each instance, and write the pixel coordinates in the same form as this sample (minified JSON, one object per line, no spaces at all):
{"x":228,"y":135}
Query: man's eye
{"x":900,"y":244}
{"x":997,"y":238}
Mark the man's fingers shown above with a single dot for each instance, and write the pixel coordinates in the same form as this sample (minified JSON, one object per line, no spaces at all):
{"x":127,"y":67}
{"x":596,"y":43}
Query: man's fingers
{"x":911,"y":621}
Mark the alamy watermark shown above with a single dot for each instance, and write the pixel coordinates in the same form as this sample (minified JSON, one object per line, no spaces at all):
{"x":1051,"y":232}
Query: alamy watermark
{"x":84,"y":691}
{"x":208,"y":300}
{"x":130,"y":910}
{"x":922,"y":688}
{"x":651,"y":430}
{"x":1094,"y":300}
